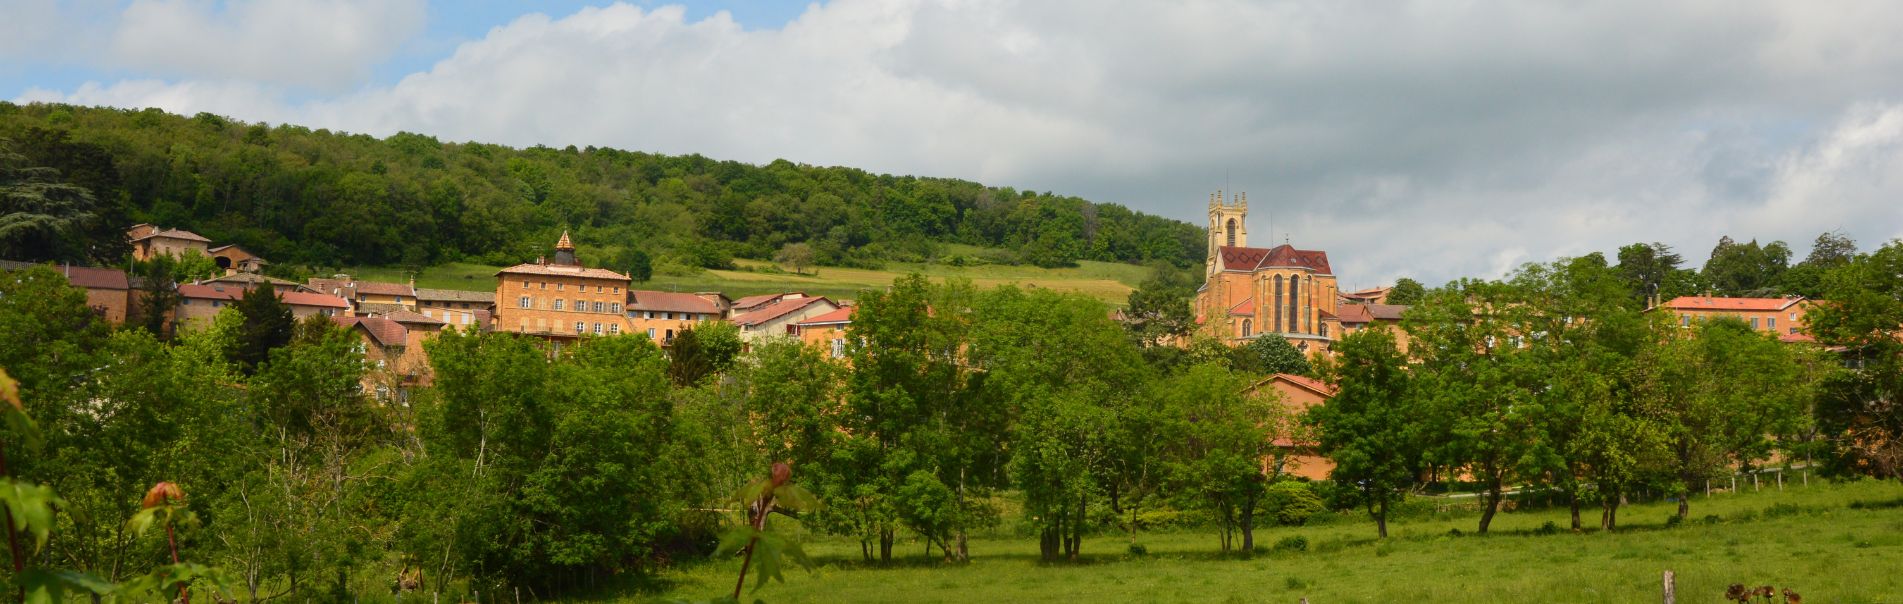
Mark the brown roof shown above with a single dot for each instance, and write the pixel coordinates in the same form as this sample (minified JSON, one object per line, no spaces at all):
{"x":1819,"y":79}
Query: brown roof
{"x":455,"y":295}
{"x":1244,"y":308}
{"x":1387,"y":312}
{"x":297,"y":298}
{"x":777,"y":310}
{"x":670,"y":302}
{"x":1251,"y":258}
{"x":562,"y":271}
{"x":79,"y":276}
{"x":251,"y":279}
{"x":173,"y":234}
{"x":1311,"y":384}
{"x":843,"y":315}
{"x":384,"y":331}
{"x":381,"y":288}
{"x":1353,"y":314}
{"x":1736,"y":304}
{"x":226,"y":291}
{"x":210,"y":292}
{"x":752,"y":301}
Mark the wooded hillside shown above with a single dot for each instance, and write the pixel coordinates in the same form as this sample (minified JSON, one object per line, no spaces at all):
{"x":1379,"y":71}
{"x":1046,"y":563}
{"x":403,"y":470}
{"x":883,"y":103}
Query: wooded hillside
{"x":323,"y":198}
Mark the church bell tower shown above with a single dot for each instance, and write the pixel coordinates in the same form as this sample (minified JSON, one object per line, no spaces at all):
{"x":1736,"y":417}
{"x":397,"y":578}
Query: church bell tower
{"x":1227,"y":226}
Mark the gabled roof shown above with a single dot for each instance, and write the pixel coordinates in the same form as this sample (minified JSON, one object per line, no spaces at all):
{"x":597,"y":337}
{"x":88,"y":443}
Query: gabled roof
{"x":1245,"y":308}
{"x":1307,"y":383}
{"x":1730,"y":304}
{"x":384,"y":331}
{"x":670,"y":302}
{"x":296,"y":298}
{"x":172,"y":234}
{"x":230,"y":291}
{"x":252,"y":279}
{"x":777,"y":310}
{"x":407,"y":317}
{"x":1247,"y":259}
{"x":455,"y":295}
{"x":837,"y":317}
{"x":210,"y":292}
{"x":1387,"y":312}
{"x":1354,"y":314}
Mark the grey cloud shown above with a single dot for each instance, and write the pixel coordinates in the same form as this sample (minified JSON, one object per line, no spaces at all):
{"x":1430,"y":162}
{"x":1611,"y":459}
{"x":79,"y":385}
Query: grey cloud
{"x":1434,"y":140}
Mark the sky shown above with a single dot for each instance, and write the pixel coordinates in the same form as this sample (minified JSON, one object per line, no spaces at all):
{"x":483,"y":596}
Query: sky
{"x":1435,"y":140}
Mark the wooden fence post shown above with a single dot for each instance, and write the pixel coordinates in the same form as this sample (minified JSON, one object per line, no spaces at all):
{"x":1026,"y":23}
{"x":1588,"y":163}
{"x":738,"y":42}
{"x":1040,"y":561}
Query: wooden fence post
{"x":1671,"y":590}
{"x":1780,"y":480}
{"x":1754,"y":482}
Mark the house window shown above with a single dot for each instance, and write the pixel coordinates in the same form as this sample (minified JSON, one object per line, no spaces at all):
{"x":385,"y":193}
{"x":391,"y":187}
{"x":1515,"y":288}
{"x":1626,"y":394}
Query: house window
{"x":647,"y":314}
{"x":580,"y":327}
{"x":1684,"y":320}
{"x":614,"y":307}
{"x":558,"y":303}
{"x":1247,"y":326}
{"x":597,"y":329}
{"x":614,"y":329}
{"x":1770,"y":324}
{"x":1324,"y":330}
{"x":524,"y":302}
{"x":1793,"y":331}
{"x":1754,"y":322}
{"x":1793,"y":316}
{"x":650,"y":332}
{"x":525,"y":285}
{"x":558,"y":287}
{"x":667,"y":316}
{"x":617,"y":289}
{"x":599,"y":307}
{"x":544,"y":284}
{"x":839,"y":347}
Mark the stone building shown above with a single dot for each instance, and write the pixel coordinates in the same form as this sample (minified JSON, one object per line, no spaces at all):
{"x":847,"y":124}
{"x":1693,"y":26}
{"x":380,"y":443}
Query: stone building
{"x":661,"y":315}
{"x":1251,"y":292}
{"x":149,"y":241}
{"x":559,"y":298}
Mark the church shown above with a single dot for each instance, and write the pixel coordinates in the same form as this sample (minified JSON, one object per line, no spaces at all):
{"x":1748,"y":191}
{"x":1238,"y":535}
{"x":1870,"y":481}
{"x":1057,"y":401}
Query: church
{"x":1254,"y":292}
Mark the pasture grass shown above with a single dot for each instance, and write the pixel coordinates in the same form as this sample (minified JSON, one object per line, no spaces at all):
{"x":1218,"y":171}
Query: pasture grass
{"x":1107,"y":281}
{"x":1832,"y":542}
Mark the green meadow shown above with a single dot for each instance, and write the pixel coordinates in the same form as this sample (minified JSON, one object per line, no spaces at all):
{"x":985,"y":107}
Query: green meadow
{"x":1831,"y":542}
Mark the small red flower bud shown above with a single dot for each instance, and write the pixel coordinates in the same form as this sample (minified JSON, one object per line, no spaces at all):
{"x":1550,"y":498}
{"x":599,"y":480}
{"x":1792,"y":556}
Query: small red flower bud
{"x":782,"y":472}
{"x":161,"y":494}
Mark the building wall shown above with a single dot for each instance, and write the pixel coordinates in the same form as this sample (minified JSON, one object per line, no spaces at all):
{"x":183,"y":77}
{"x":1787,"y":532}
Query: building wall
{"x":540,"y":315}
{"x":778,"y":326}
{"x":1394,"y":327}
{"x":407,"y":302}
{"x":193,"y":314}
{"x":1782,"y":322}
{"x":145,"y":250}
{"x":824,"y":337}
{"x":456,"y":318}
{"x":664,"y":325}
{"x":1300,"y":460}
{"x":112,"y":304}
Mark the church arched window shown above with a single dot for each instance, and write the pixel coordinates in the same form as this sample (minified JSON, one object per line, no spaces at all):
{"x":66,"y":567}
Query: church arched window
{"x":1294,"y":293}
{"x":1231,"y":230}
{"x":1277,"y":308}
{"x":1248,"y":327}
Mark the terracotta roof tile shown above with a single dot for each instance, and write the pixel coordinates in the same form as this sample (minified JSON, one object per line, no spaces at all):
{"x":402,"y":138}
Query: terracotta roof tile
{"x":386,"y":332}
{"x":1387,"y":312}
{"x":79,"y":276}
{"x":455,"y":295}
{"x":174,"y":234}
{"x":383,"y":288}
{"x":752,"y":301}
{"x":1732,"y":304}
{"x":843,"y":315}
{"x":1245,"y":308}
{"x":562,"y":271}
{"x":1251,"y":258}
{"x":777,"y":310}
{"x":670,"y":302}
{"x":1354,"y":314}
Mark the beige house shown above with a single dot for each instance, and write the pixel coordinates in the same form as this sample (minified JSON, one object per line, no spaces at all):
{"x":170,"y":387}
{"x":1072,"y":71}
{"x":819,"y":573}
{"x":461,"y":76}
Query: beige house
{"x":149,"y":241}
{"x":781,"y":318}
{"x":199,"y":302}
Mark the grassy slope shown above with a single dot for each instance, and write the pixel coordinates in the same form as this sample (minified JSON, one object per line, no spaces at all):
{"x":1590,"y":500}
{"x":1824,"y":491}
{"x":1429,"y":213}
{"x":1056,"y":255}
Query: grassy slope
{"x":1110,"y":282}
{"x":1824,"y":549}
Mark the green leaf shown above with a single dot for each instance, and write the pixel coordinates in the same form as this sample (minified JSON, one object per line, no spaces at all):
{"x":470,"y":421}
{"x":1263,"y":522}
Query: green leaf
{"x":734,"y":540}
{"x":142,"y":521}
{"x":47,"y":587}
{"x":794,"y":498}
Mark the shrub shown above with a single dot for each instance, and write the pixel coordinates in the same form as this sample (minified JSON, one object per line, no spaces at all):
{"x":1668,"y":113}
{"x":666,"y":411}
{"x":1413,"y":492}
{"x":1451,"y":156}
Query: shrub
{"x":1292,"y":503}
{"x":1296,"y":543}
{"x":1673,"y":521}
{"x":1295,"y":583}
{"x":1137,"y":549}
{"x":1549,"y":528}
{"x":1778,"y":510}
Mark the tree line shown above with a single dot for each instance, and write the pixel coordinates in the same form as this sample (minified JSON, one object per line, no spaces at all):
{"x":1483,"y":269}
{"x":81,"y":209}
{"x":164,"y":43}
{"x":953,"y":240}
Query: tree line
{"x":952,"y":411}
{"x":319,"y":198}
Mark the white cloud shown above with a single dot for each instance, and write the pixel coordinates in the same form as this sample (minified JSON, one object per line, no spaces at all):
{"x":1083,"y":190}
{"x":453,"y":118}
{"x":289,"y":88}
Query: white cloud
{"x":1433,"y":140}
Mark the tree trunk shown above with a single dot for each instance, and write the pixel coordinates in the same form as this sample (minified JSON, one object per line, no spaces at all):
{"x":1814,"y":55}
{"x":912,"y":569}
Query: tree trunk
{"x":1493,"y":506}
{"x":1684,"y":506}
{"x":1574,"y":504}
{"x":1381,"y":524}
{"x":1247,"y":522}
{"x":1610,"y":519}
{"x":885,"y":546}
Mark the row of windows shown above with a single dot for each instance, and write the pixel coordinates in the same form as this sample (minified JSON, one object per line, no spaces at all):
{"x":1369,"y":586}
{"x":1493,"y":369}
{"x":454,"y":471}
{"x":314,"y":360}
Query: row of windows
{"x":599,"y":289}
{"x":1770,"y":323}
{"x":578,"y":305}
{"x":667,"y":315}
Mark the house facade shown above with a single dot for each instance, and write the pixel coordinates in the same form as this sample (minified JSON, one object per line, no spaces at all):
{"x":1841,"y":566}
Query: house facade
{"x":561,"y":299}
{"x":662,"y":315}
{"x":1782,"y":317}
{"x":149,"y":241}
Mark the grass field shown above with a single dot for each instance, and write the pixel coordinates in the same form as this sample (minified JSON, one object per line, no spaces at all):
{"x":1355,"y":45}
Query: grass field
{"x":1810,"y":538}
{"x":1107,"y":281}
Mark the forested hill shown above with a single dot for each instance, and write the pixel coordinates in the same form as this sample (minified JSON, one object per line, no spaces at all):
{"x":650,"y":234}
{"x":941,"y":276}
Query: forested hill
{"x":321,"y":198}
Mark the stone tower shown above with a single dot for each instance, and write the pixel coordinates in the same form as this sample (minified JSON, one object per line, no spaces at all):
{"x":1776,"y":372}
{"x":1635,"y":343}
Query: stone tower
{"x":1227,"y":226}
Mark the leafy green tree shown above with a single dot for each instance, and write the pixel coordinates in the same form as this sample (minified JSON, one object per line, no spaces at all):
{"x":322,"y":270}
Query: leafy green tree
{"x":1269,"y":355}
{"x":1368,"y":428}
{"x":1746,"y":269}
{"x":267,"y":325}
{"x":1068,"y":375}
{"x":1860,"y":409}
{"x":702,"y":350}
{"x":1654,"y":270}
{"x":1406,"y":291}
{"x":1159,"y":309}
{"x":1830,"y":251}
{"x":41,"y":216}
{"x":639,"y":266}
{"x":1221,"y":438}
{"x":797,"y":255}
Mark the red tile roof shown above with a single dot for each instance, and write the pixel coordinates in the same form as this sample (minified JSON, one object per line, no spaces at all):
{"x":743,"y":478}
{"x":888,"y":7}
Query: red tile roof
{"x":777,"y":310}
{"x":233,"y":292}
{"x":386,"y":332}
{"x":1251,"y":258}
{"x":95,"y":278}
{"x":1793,"y":338}
{"x":670,"y":302}
{"x":455,"y":295}
{"x":841,"y":316}
{"x":1311,"y":384}
{"x":310,"y":299}
{"x":1244,"y":308}
{"x":1387,"y":312}
{"x":1354,"y":314}
{"x":173,"y":234}
{"x":559,"y":270}
{"x":752,"y":301}
{"x":1730,"y":304}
